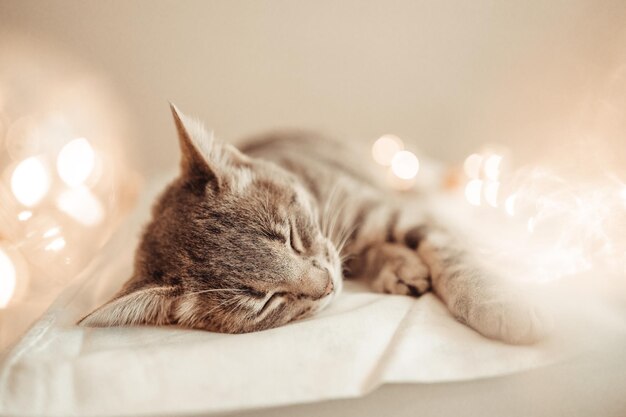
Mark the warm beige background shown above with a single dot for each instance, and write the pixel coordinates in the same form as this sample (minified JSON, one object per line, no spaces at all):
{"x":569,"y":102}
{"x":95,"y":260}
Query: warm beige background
{"x":447,"y":75}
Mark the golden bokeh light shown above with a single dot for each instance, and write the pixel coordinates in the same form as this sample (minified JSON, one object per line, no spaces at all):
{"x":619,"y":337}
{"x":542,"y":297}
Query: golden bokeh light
{"x":491,"y":166}
{"x":385,"y":148}
{"x":52,"y":231}
{"x":81,"y":205}
{"x":30,"y":181}
{"x":509,"y":205}
{"x":473,"y":191}
{"x":472,"y":165}
{"x":76,"y":162}
{"x":24,"y":215}
{"x":56,"y":245}
{"x":405,"y":165}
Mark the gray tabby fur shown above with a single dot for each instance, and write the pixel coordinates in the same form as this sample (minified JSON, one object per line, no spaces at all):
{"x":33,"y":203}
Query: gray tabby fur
{"x":253,"y":239}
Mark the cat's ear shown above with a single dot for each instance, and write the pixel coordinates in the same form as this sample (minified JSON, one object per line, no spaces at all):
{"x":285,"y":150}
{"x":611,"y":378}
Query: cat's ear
{"x":201,"y":154}
{"x":144,"y":306}
{"x":204,"y":158}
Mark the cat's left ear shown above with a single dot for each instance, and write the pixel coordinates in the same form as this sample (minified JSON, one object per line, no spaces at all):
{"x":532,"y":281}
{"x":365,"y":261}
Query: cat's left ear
{"x":204,"y":158}
{"x":151,"y":305}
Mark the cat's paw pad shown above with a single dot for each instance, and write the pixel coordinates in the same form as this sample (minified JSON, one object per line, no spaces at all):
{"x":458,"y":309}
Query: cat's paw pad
{"x":403,"y":274}
{"x":515,"y":322}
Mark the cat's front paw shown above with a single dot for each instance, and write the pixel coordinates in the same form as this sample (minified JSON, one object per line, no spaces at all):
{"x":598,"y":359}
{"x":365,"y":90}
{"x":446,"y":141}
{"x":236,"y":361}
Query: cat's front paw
{"x":402,"y":272}
{"x":512,"y":321}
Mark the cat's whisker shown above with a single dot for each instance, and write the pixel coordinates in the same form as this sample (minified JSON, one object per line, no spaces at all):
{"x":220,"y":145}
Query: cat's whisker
{"x":346,"y":257}
{"x":345,"y":238}
{"x":233,"y":290}
{"x":226,"y":304}
{"x":336,"y":215}
{"x":325,"y":213}
{"x":333,"y":210}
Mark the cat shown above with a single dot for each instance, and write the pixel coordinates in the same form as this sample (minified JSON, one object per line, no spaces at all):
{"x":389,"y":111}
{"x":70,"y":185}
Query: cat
{"x":251,"y":239}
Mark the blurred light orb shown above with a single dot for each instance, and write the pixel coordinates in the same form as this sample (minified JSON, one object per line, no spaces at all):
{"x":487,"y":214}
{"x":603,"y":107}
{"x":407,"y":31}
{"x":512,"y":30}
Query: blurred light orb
{"x":81,"y":205}
{"x":473,"y":191}
{"x":385,"y":148}
{"x":56,"y":245}
{"x":405,"y":165}
{"x":472,"y":165}
{"x":8,"y":278}
{"x":30,"y":181}
{"x":52,"y":232}
{"x":509,"y":205}
{"x":24,"y":215}
{"x":490,"y":191}
{"x":491,"y":166}
{"x":76,"y":162}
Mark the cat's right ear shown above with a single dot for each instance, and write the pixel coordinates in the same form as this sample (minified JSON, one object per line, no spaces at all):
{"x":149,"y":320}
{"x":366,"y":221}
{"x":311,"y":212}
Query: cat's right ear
{"x":201,"y":154}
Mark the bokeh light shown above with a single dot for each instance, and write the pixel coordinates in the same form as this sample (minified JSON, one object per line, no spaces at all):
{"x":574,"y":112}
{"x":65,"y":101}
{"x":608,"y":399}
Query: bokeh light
{"x":30,"y":181}
{"x":385,"y":148}
{"x":24,"y":215}
{"x":81,"y":205}
{"x":473,"y":191}
{"x":65,"y":183}
{"x":491,"y":166}
{"x":509,"y":205}
{"x":405,"y":165}
{"x":56,"y":245}
{"x":75,"y":162}
{"x":472,"y":165}
{"x":53,"y":231}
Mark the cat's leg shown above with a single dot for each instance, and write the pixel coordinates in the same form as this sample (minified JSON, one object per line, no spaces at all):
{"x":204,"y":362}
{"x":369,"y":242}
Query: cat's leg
{"x":474,"y":295}
{"x":395,"y":269}
{"x":376,"y":255}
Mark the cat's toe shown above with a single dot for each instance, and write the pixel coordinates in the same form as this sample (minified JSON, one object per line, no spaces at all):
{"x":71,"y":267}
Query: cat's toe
{"x":387,"y":282}
{"x":415,"y":277}
{"x":403,"y":278}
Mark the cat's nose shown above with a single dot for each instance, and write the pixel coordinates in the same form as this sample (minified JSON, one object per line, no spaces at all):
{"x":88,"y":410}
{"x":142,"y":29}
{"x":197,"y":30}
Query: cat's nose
{"x":317,"y":283}
{"x":324,"y":284}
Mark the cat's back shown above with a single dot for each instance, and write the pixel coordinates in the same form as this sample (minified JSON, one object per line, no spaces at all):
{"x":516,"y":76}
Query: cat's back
{"x":287,"y":141}
{"x":312,"y":153}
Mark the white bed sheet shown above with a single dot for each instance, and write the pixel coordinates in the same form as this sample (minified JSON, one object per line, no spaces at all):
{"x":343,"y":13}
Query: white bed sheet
{"x":361,"y":341}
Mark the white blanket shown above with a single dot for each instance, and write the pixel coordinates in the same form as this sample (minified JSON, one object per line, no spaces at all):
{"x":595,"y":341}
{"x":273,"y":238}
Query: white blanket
{"x":361,"y":341}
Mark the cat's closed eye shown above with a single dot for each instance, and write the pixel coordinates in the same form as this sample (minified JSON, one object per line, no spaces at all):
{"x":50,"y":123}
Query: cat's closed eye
{"x":276,"y":235}
{"x":295,"y":242}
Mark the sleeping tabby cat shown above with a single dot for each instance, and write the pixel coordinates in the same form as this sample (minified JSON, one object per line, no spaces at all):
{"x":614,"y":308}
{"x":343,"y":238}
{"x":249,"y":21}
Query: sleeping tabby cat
{"x":250,"y":239}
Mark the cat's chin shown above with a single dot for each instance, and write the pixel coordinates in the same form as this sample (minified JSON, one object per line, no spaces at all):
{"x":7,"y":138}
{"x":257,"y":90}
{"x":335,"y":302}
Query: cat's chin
{"x":310,"y":311}
{"x":319,"y":305}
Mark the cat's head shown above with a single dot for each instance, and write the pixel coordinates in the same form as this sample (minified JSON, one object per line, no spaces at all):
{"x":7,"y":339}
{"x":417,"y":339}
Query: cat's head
{"x":234,"y":245}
